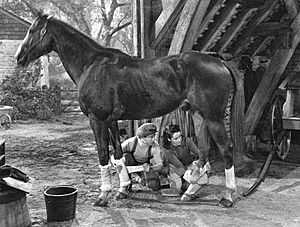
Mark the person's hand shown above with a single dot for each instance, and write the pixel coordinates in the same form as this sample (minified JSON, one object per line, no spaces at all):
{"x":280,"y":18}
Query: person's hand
{"x":195,"y":175}
{"x":146,"y":167}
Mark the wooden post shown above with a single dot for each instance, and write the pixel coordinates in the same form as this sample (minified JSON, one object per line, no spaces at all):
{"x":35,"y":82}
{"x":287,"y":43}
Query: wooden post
{"x":270,"y":80}
{"x":45,"y":72}
{"x":136,"y":29}
{"x":57,"y":110}
{"x":187,"y":28}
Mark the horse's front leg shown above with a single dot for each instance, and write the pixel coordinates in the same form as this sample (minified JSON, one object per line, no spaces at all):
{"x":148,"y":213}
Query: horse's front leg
{"x":100,"y":131}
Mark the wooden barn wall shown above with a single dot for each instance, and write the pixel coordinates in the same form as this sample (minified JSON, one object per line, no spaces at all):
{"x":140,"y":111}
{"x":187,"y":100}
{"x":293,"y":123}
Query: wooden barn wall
{"x":12,"y":32}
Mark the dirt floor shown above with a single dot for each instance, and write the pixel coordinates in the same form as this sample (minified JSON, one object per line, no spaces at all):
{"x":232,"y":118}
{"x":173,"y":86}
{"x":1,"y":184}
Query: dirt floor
{"x":62,"y":152}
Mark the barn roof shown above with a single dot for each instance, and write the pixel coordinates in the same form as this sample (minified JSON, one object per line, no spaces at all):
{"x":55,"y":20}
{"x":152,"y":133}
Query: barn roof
{"x":14,"y":17}
{"x":231,"y":28}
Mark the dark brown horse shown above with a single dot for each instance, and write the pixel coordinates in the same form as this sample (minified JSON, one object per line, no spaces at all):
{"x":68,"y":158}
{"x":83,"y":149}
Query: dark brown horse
{"x":115,"y":86}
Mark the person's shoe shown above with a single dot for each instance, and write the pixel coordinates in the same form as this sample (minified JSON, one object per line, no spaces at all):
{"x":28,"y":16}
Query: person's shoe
{"x":187,"y":197}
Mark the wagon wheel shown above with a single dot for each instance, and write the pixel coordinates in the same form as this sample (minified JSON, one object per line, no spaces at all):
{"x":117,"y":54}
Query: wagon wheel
{"x":5,"y":121}
{"x":277,"y":126}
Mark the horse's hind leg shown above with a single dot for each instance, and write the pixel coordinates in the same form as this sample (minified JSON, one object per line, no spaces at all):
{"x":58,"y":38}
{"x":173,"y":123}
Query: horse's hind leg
{"x":218,"y":132}
{"x":100,"y":131}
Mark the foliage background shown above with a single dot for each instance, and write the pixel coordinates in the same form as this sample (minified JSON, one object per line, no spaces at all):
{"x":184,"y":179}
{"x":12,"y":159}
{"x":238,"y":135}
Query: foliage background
{"x":23,"y":92}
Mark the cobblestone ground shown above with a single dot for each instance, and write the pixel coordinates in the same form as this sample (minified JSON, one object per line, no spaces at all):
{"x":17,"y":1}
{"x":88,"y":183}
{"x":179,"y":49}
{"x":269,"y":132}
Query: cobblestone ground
{"x":62,"y":152}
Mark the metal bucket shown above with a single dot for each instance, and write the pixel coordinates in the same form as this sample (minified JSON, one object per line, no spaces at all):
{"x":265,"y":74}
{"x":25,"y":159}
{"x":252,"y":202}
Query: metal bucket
{"x":60,"y":203}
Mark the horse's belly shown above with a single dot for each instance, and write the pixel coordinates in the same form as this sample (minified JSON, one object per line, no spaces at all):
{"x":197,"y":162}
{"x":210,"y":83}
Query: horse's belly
{"x":152,"y":108}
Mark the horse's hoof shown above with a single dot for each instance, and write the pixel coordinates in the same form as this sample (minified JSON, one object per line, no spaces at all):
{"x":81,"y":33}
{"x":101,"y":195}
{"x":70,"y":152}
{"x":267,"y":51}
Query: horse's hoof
{"x":101,"y":203}
{"x":225,"y":203}
{"x":121,"y":195}
{"x":187,"y":197}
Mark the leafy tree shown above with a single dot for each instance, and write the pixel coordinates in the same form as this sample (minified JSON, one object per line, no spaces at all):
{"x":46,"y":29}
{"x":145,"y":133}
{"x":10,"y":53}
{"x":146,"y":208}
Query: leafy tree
{"x":101,"y":19}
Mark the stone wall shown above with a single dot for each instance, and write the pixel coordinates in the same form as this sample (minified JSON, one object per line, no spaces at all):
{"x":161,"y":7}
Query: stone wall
{"x":13,"y":29}
{"x":7,"y":51}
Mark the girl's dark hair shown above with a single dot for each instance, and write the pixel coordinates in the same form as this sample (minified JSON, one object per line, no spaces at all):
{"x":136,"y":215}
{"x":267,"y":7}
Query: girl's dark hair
{"x":123,"y":132}
{"x":167,"y":135}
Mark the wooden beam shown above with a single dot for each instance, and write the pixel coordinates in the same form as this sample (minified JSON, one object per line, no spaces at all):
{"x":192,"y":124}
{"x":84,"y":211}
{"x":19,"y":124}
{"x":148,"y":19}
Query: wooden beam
{"x":192,"y":32}
{"x":270,"y":80}
{"x":145,"y":28}
{"x":187,"y":25}
{"x":230,"y":33}
{"x":210,"y":15}
{"x":223,"y":19}
{"x":244,"y":39}
{"x":291,"y":7}
{"x":251,"y":3}
{"x":169,"y":16}
{"x":136,"y":28}
{"x":261,"y":46}
{"x":270,"y":28}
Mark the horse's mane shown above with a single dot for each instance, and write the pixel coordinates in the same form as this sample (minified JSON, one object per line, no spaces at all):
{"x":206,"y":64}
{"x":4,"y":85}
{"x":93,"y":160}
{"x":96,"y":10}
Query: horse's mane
{"x":95,"y":45}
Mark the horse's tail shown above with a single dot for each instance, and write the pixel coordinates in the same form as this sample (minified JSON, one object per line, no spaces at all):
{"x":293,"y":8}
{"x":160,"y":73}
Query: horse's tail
{"x":237,"y":112}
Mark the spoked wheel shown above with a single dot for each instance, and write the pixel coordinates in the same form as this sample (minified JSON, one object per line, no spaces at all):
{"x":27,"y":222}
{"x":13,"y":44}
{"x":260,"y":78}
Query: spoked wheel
{"x":277,"y":126}
{"x":5,"y":121}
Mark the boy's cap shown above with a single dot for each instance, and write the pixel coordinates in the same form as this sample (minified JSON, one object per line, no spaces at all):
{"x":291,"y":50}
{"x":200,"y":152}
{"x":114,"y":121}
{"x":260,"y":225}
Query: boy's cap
{"x":146,"y":130}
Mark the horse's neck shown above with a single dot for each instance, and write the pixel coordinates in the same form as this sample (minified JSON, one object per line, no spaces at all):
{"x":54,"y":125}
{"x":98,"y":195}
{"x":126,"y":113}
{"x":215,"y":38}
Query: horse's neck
{"x":76,"y":51}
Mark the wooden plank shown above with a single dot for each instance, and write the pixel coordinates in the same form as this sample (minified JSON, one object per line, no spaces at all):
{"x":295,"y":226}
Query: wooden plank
{"x":210,"y":15}
{"x":223,"y":19}
{"x":23,"y":186}
{"x":136,"y":28}
{"x":192,"y":32}
{"x":270,"y":80}
{"x":145,"y":8}
{"x":169,"y":16}
{"x":244,"y":39}
{"x":260,"y":46}
{"x":291,"y":7}
{"x":183,"y":25}
{"x":230,"y":33}
{"x":270,"y":28}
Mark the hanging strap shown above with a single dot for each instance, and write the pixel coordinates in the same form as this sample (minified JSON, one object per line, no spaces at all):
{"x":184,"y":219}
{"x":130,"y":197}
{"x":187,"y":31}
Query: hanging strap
{"x":149,"y":154}
{"x":134,"y":145}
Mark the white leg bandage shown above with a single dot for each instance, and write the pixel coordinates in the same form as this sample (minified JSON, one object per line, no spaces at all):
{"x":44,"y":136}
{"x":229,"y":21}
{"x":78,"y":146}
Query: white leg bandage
{"x":123,"y":173}
{"x":230,"y":178}
{"x":106,"y":184}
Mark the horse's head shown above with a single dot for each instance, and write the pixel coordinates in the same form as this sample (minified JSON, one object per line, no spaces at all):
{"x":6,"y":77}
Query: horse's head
{"x":37,"y":42}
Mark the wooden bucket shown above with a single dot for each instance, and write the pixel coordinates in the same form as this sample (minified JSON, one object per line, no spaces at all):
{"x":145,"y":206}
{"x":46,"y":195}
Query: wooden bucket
{"x":13,"y":208}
